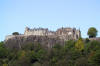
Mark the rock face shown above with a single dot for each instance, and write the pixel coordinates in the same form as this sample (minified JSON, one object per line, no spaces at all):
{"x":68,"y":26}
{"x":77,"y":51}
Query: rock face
{"x":19,"y":41}
{"x":43,"y":36}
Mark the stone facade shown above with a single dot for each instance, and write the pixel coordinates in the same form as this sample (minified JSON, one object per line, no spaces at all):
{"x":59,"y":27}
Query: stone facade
{"x":68,"y":33}
{"x":9,"y":36}
{"x":38,"y":32}
{"x":62,"y":33}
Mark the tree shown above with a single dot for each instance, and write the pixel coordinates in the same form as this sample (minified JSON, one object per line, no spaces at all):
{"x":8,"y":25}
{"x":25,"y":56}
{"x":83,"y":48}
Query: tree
{"x":69,"y":45}
{"x":3,"y":50}
{"x":5,"y":64}
{"x":22,"y":59}
{"x":79,"y":45}
{"x":87,"y":40}
{"x":92,"y":32}
{"x":95,"y":59}
{"x":15,"y":33}
{"x":82,"y":61}
{"x":92,"y":46}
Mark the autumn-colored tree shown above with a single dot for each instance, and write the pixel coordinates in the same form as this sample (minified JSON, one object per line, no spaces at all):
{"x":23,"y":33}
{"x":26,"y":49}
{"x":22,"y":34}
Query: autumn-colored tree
{"x":79,"y":45}
{"x":5,"y":64}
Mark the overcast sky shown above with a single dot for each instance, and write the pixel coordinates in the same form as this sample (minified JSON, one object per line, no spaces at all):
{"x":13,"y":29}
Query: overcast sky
{"x":15,"y":15}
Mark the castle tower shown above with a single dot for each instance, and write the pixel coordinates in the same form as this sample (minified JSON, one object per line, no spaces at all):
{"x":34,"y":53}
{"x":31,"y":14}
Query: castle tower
{"x":26,"y":31}
{"x":78,"y":34}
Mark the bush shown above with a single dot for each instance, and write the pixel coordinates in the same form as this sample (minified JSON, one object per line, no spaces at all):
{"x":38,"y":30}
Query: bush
{"x":15,"y":33}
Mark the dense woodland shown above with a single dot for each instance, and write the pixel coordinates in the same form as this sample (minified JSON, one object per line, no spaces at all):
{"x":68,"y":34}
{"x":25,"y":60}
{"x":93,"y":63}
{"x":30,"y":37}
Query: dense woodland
{"x":81,"y":52}
{"x":73,"y":53}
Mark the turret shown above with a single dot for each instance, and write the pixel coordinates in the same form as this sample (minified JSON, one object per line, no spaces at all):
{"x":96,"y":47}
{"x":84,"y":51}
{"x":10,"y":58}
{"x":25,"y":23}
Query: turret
{"x":26,"y":30}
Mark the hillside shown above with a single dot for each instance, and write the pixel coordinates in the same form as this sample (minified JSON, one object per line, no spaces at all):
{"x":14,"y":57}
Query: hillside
{"x":72,"y":53}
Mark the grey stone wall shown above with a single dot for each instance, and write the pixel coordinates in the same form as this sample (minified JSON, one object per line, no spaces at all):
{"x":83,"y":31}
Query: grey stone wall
{"x":19,"y":41}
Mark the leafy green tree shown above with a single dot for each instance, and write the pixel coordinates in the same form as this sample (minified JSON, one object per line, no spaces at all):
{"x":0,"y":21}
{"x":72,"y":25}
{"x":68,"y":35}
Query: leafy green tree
{"x":15,"y":33}
{"x":69,"y":45}
{"x":95,"y":59}
{"x":22,"y":59}
{"x":92,"y":32}
{"x":40,"y":55}
{"x":58,"y":51}
{"x":87,"y":40}
{"x":79,"y":45}
{"x":92,"y":46}
{"x":32,"y":56}
{"x":3,"y":50}
{"x":82,"y":61}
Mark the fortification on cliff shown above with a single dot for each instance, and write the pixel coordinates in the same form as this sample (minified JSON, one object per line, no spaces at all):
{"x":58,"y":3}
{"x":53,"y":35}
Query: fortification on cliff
{"x":42,"y":36}
{"x":62,"y":33}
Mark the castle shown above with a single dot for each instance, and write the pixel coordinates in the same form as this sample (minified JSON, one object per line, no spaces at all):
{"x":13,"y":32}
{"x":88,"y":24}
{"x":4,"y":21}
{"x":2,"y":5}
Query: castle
{"x":38,"y":32}
{"x":62,"y":33}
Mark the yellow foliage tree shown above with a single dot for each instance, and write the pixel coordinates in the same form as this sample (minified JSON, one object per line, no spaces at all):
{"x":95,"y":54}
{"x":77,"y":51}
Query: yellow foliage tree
{"x":79,"y":45}
{"x":22,"y":54}
{"x":5,"y":64}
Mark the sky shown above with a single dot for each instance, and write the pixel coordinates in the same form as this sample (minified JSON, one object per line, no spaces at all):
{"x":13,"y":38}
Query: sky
{"x":15,"y":15}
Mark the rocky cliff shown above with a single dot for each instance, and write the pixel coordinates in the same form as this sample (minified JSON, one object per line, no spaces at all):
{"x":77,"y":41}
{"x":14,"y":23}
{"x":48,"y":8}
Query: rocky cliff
{"x":19,"y":41}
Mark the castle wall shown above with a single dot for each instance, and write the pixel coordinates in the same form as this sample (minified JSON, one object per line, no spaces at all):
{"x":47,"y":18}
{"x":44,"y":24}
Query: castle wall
{"x":62,"y":33}
{"x":12,"y":36}
{"x":38,"y":32}
{"x":9,"y":36}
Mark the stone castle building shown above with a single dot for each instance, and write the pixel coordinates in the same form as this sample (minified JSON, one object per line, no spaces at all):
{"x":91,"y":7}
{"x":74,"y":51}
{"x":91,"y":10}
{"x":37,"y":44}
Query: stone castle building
{"x":62,"y":33}
{"x":38,"y":32}
{"x":68,"y":33}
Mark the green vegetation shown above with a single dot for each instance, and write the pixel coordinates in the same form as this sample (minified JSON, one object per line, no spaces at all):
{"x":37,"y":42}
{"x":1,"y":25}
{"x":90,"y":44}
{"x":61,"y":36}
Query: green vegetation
{"x":79,"y":45}
{"x":73,"y":53}
{"x":15,"y":33}
{"x":92,"y":32}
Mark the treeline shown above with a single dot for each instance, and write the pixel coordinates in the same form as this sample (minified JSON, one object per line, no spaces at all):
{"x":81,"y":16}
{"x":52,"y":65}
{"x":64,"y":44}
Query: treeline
{"x":73,"y":53}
